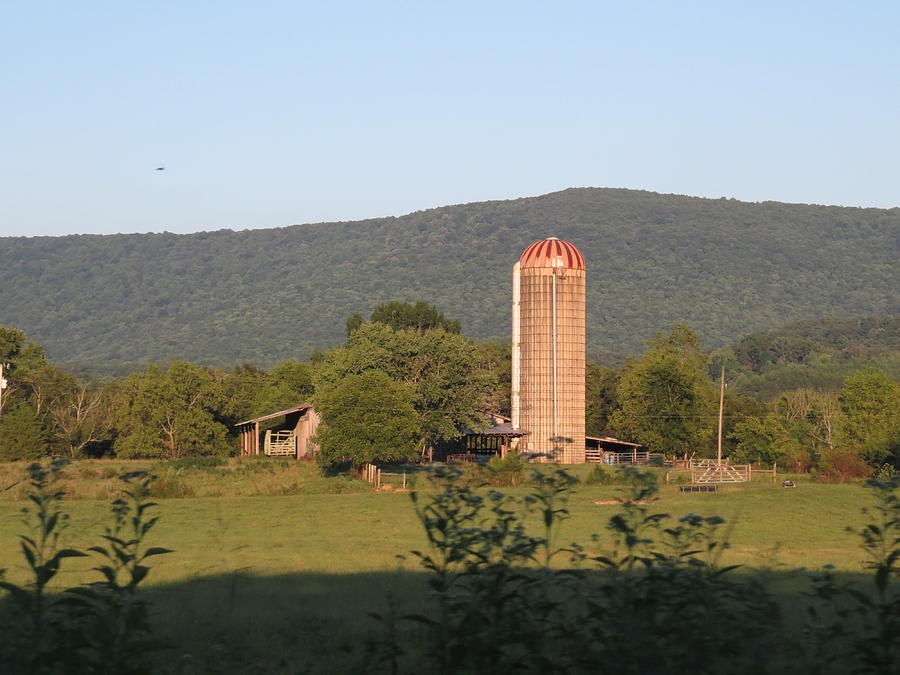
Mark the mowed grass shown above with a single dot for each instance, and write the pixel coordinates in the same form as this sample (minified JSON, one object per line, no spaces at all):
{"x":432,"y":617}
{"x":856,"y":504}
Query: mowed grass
{"x":284,"y":583}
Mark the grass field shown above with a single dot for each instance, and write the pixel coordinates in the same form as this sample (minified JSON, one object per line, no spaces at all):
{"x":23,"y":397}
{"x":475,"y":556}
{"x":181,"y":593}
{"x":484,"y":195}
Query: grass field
{"x":257,"y":581}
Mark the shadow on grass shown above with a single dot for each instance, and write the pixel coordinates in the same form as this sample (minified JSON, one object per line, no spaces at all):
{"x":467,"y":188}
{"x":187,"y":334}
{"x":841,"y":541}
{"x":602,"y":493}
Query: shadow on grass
{"x":320,"y":623}
{"x":298,"y":623}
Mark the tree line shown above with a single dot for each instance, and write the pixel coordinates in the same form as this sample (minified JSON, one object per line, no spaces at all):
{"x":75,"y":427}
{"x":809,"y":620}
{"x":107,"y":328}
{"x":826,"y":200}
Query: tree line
{"x":406,"y":376}
{"x":667,"y":399}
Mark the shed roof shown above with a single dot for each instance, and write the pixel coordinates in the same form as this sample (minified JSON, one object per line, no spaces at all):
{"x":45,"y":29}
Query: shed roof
{"x":288,"y":411}
{"x":610,"y":439}
{"x":502,"y":429}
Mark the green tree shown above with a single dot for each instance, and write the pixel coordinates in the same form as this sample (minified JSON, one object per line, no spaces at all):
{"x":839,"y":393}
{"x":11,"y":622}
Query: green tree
{"x":450,"y":387}
{"x":667,"y":402}
{"x":366,"y":418}
{"x":172,"y":412}
{"x":810,"y":416}
{"x":870,"y":401}
{"x":600,"y":398}
{"x":251,"y":392}
{"x":406,"y":315}
{"x":355,"y":321}
{"x":760,"y":440}
{"x":296,"y":377}
{"x":496,"y":358}
{"x":21,"y":357}
{"x":22,"y":433}
{"x":16,"y":349}
{"x":76,"y":415}
{"x":241,"y":388}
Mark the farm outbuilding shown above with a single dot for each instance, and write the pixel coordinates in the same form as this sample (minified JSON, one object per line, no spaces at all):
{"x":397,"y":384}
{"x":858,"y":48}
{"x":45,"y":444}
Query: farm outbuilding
{"x":292,"y":437}
{"x":609,"y":450}
{"x":496,"y":439}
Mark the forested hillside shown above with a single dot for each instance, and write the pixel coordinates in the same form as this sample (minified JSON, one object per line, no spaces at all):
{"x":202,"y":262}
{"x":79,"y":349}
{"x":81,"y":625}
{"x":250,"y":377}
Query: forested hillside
{"x":816,"y":354}
{"x":724,"y":267}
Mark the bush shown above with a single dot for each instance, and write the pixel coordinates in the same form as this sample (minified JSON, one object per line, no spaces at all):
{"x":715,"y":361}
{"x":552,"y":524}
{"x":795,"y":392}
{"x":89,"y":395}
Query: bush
{"x":600,"y":475}
{"x":505,"y":472}
{"x":840,"y":466}
{"x":885,"y":472}
{"x":171,"y":485}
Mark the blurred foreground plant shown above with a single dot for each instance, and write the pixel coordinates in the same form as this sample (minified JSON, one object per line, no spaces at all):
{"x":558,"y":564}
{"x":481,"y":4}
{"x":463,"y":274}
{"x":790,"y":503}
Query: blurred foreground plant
{"x":857,"y":630}
{"x":656,"y":603}
{"x":102,"y":627}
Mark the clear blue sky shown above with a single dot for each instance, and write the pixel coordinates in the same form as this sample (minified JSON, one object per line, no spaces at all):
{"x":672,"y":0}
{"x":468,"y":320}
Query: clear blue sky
{"x":274,"y":113}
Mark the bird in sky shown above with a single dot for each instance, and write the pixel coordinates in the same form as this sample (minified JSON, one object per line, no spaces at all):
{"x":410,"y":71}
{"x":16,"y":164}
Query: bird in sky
{"x":160,"y":168}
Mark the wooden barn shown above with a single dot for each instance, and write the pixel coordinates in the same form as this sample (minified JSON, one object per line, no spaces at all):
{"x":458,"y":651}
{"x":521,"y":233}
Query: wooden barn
{"x":291,"y":437}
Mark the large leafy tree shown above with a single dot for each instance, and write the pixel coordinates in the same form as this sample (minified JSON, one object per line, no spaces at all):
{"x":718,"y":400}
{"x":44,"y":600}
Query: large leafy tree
{"x":171,"y":412}
{"x":760,"y":439}
{"x":405,"y":316}
{"x":76,"y":414}
{"x":496,"y":357}
{"x":23,"y":434}
{"x":445,"y":372}
{"x":21,"y":357}
{"x":667,"y":402}
{"x":870,"y":401}
{"x":251,"y":392}
{"x":600,"y":398}
{"x":366,"y":418}
{"x":23,"y":431}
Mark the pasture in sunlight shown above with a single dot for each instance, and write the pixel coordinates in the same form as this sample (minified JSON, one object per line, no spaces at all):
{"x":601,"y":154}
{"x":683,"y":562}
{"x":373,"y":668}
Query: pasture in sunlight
{"x":282,"y":517}
{"x":279,"y":572}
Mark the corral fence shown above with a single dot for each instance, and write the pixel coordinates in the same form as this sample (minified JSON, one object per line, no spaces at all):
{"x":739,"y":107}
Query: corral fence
{"x":371,"y":473}
{"x":634,"y":458}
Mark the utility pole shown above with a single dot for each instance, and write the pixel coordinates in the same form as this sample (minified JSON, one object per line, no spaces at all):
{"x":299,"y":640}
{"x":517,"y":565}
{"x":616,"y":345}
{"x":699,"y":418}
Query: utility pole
{"x":721,"y":410}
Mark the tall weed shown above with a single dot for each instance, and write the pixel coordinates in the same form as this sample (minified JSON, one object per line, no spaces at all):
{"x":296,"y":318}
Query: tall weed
{"x":102,"y":627}
{"x":857,"y":630}
{"x":657,"y":602}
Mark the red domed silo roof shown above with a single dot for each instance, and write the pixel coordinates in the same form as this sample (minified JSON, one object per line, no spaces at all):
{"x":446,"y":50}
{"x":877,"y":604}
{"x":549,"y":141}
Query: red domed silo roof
{"x":552,"y":252}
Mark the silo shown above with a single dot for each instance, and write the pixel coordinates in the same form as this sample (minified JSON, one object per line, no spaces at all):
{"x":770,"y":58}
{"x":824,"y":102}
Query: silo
{"x":548,"y":350}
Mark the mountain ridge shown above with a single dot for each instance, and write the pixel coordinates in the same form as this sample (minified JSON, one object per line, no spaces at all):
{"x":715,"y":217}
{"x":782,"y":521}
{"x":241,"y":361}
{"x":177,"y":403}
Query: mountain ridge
{"x":725,"y":267}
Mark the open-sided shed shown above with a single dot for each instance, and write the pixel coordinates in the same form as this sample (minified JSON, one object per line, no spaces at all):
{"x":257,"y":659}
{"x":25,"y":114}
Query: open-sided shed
{"x":614,"y":451}
{"x":290,"y":438}
{"x":496,"y":439}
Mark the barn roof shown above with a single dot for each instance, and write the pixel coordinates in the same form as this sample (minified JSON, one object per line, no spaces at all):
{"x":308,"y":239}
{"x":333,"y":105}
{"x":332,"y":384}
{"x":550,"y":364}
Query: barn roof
{"x":288,"y":411}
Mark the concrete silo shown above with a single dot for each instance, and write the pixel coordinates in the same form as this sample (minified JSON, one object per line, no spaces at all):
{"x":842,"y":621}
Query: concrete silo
{"x":548,"y":350}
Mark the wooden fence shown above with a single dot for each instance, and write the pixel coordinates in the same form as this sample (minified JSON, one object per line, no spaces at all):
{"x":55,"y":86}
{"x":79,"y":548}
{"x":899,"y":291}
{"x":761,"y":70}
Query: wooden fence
{"x":372,"y":473}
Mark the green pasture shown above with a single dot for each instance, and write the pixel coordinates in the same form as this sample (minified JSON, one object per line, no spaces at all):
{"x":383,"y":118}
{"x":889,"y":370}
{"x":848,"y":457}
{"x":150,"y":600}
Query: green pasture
{"x":358,"y":529}
{"x":284,"y":582}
